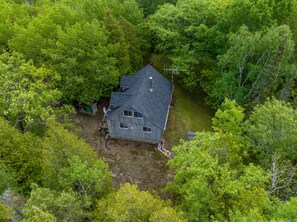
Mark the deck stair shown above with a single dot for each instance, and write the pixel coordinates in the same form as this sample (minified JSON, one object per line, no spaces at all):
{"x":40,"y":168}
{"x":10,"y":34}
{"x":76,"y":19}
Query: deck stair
{"x":103,"y":128}
{"x":162,"y":149}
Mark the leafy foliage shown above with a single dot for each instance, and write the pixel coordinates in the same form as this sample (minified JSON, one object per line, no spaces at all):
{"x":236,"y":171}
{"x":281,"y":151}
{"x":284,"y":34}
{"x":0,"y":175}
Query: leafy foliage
{"x":130,"y":204}
{"x":44,"y":203}
{"x":255,"y":66}
{"x":40,"y":215}
{"x":27,"y":93}
{"x":228,"y":175}
{"x":84,"y":77}
{"x":166,"y":214}
{"x":189,"y":23}
{"x":211,"y":180}
{"x":238,"y":49}
{"x":229,"y":118}
{"x":64,"y":150}
{"x":7,"y":179}
{"x":286,"y":211}
{"x":91,"y":181}
{"x":12,"y":14}
{"x":75,"y":40}
{"x":16,"y":152}
{"x":150,"y":6}
{"x":273,"y":128}
{"x":5,"y":213}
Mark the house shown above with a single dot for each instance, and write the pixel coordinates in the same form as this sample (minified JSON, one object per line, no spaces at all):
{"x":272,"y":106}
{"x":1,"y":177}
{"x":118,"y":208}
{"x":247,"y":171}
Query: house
{"x":139,"y":110}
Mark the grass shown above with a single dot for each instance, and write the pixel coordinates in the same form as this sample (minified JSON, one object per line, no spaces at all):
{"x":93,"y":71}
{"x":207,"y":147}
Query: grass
{"x":188,"y":113}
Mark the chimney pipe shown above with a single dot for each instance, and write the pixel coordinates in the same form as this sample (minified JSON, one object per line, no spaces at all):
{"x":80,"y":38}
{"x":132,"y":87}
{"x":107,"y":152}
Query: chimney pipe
{"x":151,"y":83}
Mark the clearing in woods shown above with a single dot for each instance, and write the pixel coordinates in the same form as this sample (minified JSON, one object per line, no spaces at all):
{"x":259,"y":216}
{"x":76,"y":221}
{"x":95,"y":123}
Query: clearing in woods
{"x":140,"y":163}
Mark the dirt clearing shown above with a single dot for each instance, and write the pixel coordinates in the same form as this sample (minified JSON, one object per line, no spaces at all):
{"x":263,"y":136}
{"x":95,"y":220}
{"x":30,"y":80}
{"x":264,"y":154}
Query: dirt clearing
{"x":132,"y":162}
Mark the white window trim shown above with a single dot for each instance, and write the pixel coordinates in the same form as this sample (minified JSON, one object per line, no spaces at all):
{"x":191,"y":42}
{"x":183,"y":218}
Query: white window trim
{"x":129,"y":116}
{"x":146,"y":131}
{"x":137,"y":117}
{"x":125,"y":128}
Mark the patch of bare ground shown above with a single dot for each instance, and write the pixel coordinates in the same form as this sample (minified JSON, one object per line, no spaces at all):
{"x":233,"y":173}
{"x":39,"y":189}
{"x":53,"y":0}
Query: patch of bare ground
{"x":130,"y":162}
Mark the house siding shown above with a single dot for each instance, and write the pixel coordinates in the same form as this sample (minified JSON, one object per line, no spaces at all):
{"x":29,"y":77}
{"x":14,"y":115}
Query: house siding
{"x":135,"y":128}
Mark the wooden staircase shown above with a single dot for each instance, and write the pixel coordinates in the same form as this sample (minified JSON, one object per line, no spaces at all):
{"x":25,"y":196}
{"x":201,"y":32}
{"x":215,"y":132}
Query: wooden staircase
{"x":162,"y":149}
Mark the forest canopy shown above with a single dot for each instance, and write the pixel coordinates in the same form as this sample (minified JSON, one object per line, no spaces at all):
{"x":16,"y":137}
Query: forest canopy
{"x":240,"y":54}
{"x":242,"y":50}
{"x":88,"y":43}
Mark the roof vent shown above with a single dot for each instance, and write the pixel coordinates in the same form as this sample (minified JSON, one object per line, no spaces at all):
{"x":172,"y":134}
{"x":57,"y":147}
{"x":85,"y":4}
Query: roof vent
{"x":151,"y":83}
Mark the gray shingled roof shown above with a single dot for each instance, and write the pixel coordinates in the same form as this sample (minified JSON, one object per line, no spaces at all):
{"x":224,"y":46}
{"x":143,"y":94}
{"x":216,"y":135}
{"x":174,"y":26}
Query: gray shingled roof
{"x":137,"y":95}
{"x":119,"y":99}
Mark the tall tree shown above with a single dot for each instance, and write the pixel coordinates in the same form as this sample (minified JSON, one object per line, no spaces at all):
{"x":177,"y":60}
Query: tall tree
{"x":91,"y":181}
{"x":27,"y":94}
{"x":5,"y":213}
{"x":130,"y":204}
{"x":40,"y":215}
{"x":188,"y":35}
{"x":71,"y":163}
{"x":210,"y":178}
{"x":48,"y":204}
{"x":256,"y":66}
{"x":7,"y":178}
{"x":229,"y":118}
{"x":272,"y":127}
{"x":89,"y":71}
{"x":31,"y":39}
{"x":12,"y":14}
{"x":255,"y":14}
{"x":22,"y":155}
{"x":150,"y":6}
{"x":75,"y":39}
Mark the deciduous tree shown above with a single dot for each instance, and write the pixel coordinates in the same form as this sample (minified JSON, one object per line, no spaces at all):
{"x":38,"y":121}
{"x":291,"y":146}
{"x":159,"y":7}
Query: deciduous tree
{"x":7,"y":178}
{"x":256,"y":66}
{"x":130,"y":204}
{"x":22,"y":155}
{"x":211,"y":179}
{"x":91,"y":181}
{"x":45,"y":203}
{"x":5,"y":213}
{"x":27,"y":93}
{"x":272,"y":127}
{"x":40,"y":215}
{"x":59,"y":146}
{"x":229,"y":118}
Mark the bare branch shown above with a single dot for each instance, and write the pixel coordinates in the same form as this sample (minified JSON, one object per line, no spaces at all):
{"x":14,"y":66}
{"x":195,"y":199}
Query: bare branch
{"x":282,"y":174}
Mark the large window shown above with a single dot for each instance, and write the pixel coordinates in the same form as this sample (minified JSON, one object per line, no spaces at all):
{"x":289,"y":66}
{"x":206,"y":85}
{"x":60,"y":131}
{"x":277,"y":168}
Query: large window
{"x":138,"y":115}
{"x":147,"y":129}
{"x":123,"y":125}
{"x":128,"y":113}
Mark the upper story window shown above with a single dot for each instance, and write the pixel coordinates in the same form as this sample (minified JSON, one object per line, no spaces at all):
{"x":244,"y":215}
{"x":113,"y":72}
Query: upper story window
{"x":138,"y":115}
{"x":147,"y":129}
{"x":128,"y":113}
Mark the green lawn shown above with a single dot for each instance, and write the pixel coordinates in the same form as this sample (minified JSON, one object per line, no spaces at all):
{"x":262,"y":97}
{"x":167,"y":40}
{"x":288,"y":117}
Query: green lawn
{"x":188,"y":113}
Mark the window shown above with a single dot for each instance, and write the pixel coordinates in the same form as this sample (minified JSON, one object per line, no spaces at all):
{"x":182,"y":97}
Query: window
{"x":124,"y":125}
{"x":138,"y":115}
{"x":127,"y":113}
{"x":147,"y":129}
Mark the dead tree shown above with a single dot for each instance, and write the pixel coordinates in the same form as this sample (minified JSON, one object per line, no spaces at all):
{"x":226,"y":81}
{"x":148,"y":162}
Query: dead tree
{"x":282,"y":177}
